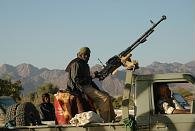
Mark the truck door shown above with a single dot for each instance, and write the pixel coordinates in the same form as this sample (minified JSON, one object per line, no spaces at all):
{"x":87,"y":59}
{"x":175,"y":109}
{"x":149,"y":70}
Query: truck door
{"x":176,"y":114}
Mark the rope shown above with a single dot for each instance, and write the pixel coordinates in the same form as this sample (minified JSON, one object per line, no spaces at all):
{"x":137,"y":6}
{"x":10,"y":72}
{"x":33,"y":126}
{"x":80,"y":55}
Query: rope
{"x":129,"y":123}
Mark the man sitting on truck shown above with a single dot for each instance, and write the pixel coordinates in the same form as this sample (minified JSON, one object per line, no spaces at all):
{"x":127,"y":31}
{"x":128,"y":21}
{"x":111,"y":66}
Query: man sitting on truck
{"x":80,"y":82}
{"x":166,"y":104}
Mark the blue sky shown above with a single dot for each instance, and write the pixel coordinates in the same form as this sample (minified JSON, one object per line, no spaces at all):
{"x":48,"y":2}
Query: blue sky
{"x":48,"y":33}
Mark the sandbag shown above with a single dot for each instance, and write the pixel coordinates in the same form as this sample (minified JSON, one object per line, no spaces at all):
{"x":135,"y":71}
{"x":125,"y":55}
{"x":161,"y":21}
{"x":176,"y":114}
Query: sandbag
{"x":24,"y":114}
{"x":27,"y":114}
{"x":11,"y":114}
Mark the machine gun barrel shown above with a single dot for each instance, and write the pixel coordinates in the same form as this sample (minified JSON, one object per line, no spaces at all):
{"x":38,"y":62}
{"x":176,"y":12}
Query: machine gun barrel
{"x":114,"y":62}
{"x":141,"y":39}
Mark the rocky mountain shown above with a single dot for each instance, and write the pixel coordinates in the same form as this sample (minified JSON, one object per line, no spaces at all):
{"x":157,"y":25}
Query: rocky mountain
{"x":157,"y":67}
{"x":32,"y":76}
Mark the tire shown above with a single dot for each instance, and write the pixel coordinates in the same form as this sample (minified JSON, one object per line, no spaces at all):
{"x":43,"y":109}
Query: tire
{"x":27,"y":114}
{"x":11,"y":113}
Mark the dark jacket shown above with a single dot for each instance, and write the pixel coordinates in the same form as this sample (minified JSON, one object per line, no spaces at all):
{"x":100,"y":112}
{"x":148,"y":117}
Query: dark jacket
{"x":47,"y":112}
{"x":78,"y":74}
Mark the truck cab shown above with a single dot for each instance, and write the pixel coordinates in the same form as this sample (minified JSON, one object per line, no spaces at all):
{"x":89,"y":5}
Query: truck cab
{"x":145,"y":97}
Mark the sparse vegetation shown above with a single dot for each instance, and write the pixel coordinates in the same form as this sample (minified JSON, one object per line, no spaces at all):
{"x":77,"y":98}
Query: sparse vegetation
{"x":36,"y":97}
{"x":9,"y":88}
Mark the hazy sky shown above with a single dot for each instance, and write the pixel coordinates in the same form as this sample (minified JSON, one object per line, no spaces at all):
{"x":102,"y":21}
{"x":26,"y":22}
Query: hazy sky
{"x":48,"y":33}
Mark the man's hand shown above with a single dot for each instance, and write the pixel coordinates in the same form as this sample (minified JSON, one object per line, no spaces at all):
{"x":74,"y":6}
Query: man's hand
{"x":128,"y":63}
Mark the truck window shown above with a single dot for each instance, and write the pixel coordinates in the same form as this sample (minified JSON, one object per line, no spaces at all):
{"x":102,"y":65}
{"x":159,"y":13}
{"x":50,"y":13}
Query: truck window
{"x":173,"y":98}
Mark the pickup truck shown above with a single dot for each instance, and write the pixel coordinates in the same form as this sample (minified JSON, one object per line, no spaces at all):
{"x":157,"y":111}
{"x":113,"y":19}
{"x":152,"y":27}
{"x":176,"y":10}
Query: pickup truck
{"x":142,"y":88}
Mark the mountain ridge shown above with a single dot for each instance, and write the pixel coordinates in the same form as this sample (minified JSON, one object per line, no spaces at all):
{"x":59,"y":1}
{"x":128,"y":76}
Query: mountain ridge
{"x":32,"y":77}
